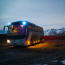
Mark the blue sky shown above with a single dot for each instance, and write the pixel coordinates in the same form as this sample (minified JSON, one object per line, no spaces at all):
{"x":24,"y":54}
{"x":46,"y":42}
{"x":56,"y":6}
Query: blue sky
{"x":45,"y":13}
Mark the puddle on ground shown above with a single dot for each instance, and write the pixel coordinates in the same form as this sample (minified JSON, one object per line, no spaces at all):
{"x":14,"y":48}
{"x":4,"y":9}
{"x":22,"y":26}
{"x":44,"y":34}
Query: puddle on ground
{"x":45,"y":64}
{"x":63,"y":62}
{"x":55,"y":61}
{"x":40,"y":64}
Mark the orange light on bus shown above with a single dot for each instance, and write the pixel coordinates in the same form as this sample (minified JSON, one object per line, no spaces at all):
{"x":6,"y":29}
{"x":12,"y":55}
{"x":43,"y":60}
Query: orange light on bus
{"x":28,"y":42}
{"x":33,"y":41}
{"x":36,"y":41}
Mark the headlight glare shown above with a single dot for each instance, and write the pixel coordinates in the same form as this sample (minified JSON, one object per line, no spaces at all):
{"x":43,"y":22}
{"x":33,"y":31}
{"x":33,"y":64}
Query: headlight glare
{"x":8,"y":41}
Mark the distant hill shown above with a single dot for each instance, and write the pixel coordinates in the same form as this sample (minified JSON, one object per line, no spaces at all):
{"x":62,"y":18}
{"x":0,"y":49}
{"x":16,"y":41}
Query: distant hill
{"x":55,"y":31}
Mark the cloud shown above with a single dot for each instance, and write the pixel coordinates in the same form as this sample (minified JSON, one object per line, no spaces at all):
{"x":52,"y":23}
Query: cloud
{"x":38,"y":11}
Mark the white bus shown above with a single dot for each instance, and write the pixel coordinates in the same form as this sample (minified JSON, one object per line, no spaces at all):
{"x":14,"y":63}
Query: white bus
{"x":23,"y":33}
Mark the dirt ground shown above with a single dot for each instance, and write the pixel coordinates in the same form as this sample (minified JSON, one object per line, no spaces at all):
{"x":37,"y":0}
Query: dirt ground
{"x":47,"y":53}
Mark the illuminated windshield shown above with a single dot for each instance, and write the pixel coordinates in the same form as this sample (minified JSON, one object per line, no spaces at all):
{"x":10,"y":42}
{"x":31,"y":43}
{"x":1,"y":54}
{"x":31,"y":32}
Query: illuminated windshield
{"x":16,"y":29}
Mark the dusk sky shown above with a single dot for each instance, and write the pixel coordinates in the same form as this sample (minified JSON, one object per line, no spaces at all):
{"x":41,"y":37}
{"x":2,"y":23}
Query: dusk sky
{"x":45,"y":13}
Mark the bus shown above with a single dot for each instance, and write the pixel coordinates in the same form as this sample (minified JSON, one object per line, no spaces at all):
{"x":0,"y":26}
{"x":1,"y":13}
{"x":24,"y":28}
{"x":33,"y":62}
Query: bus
{"x":23,"y":33}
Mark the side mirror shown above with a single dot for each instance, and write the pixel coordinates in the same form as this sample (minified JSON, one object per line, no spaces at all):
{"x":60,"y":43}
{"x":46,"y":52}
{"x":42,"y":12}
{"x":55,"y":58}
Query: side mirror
{"x":5,"y":28}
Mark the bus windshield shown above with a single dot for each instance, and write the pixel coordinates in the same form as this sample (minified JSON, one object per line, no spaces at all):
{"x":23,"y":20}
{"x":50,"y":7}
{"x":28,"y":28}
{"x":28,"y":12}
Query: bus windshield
{"x":16,"y":29}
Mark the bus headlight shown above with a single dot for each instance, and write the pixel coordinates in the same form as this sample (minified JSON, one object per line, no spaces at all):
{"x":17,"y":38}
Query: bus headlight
{"x":8,"y":41}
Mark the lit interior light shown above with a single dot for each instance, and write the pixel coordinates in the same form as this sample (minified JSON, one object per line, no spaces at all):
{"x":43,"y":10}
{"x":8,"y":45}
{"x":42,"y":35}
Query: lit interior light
{"x":21,"y":26}
{"x":11,"y":27}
